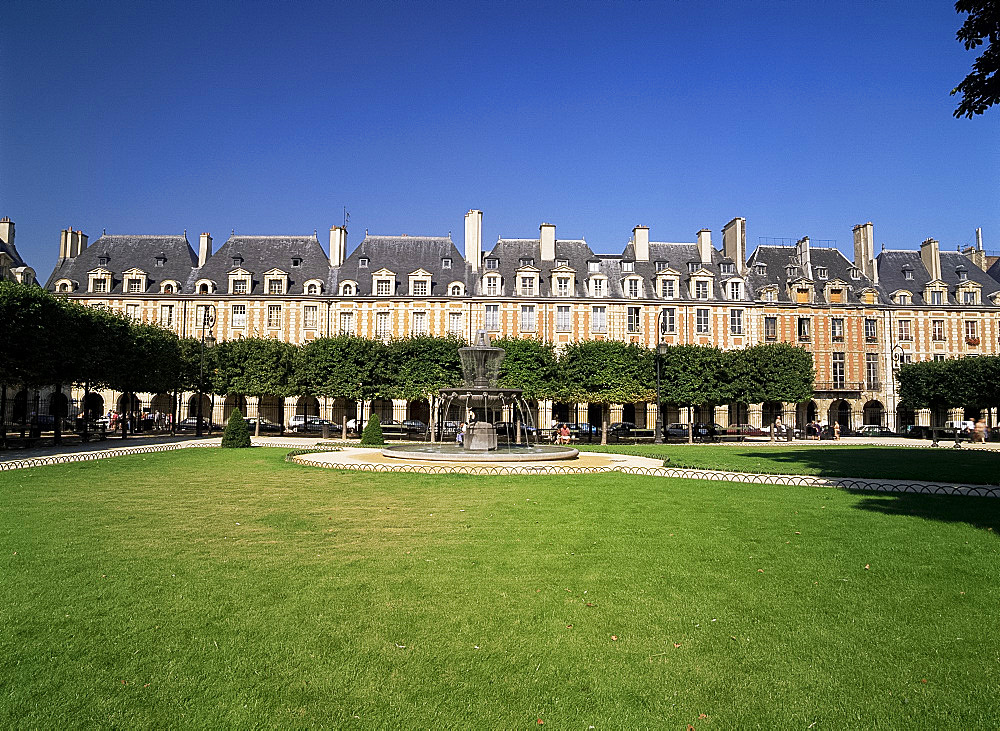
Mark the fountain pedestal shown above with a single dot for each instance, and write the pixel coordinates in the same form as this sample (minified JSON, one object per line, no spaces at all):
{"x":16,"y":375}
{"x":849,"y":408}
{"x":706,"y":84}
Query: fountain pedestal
{"x":480,"y":435}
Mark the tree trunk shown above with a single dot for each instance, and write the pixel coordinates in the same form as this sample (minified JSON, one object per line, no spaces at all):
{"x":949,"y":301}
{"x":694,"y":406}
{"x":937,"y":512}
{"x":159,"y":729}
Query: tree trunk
{"x":431,"y":418}
{"x":256,"y":431}
{"x":3,"y":415}
{"x":57,"y":417}
{"x":604,"y":423}
{"x":690,"y":425}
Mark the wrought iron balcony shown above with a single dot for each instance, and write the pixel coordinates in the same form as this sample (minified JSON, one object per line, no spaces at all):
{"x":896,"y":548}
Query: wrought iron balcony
{"x":844,"y":386}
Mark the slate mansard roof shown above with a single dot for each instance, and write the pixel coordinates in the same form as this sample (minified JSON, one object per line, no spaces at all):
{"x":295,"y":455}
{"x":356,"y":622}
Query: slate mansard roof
{"x":123,"y":253}
{"x":261,"y":254}
{"x":776,"y":259}
{"x":508,"y":254}
{"x":403,"y":255}
{"x":893,"y":265}
{"x":11,"y":251}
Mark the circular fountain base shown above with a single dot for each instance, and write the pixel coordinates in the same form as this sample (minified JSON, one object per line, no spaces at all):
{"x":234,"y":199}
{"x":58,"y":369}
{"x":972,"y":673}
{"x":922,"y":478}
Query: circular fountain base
{"x":455,"y":453}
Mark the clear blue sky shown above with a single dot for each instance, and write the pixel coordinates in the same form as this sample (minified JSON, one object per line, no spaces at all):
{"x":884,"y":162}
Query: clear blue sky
{"x":806,"y":118}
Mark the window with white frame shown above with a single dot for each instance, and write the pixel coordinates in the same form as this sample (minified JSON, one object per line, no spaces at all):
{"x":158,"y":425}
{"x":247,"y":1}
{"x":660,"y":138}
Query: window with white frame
{"x":132,"y":311}
{"x":455,"y":325}
{"x":837,"y":329}
{"x":527,"y":318}
{"x":971,"y":329}
{"x":905,"y":333}
{"x":969,"y":297}
{"x":383,"y":287}
{"x":274,"y":316}
{"x":597,"y":287}
{"x":907,"y":274}
{"x":420,"y":287}
{"x":805,"y":329}
{"x":134,"y":285}
{"x":937,"y":330}
{"x":668,"y":288}
{"x":963,"y":275}
{"x":528,"y":286}
{"x":492,"y":319}
{"x":727,"y":268}
{"x":736,"y":290}
{"x":312,"y":289}
{"x":492,"y":286}
{"x":634,"y":316}
{"x":668,"y":320}
{"x":871,"y":329}
{"x":564,"y":322}
{"x":770,"y":296}
{"x":821,"y":273}
{"x":599,"y":319}
{"x":310,"y":317}
{"x":240,"y":286}
{"x":419,"y":323}
{"x":492,"y":263}
{"x":838,"y":370}
{"x":701,"y":289}
{"x":167,"y":315}
{"x":855,"y":273}
{"x":593,"y":266}
{"x":456,"y":290}
{"x":347,"y":323}
{"x":363,"y":263}
{"x":770,"y":328}
{"x":902,"y":299}
{"x":526,"y":261}
{"x":562,"y":286}
{"x":275,"y":286}
{"x":100,"y":285}
{"x":201,"y":315}
{"x":940,"y":357}
{"x":693,"y":266}
{"x":871,"y":371}
{"x":383,"y":329}
{"x":238,"y":316}
{"x":446,"y":263}
{"x":736,"y":322}
{"x":562,"y":262}
{"x":628,"y":266}
{"x":632,"y":289}
{"x":701,"y":320}
{"x":937,"y":297}
{"x":760,"y":269}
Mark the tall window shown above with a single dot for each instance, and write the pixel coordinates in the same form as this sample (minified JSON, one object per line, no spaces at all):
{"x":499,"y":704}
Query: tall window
{"x":167,"y":315}
{"x":347,"y":323}
{"x":419,"y":287}
{"x":770,"y":328}
{"x":564,"y":322}
{"x":937,"y":297}
{"x":735,"y":290}
{"x":492,"y":285}
{"x":904,"y":330}
{"x":383,"y":329}
{"x":598,"y":287}
{"x":274,"y":315}
{"x":562,"y":286}
{"x":238,"y":316}
{"x":275,"y":286}
{"x":871,"y":372}
{"x":805,"y":329}
{"x":492,"y":317}
{"x":527,"y":318}
{"x":383,"y":287}
{"x":200,"y":316}
{"x":599,"y":319}
{"x":736,"y":322}
{"x":419,"y":323}
{"x":633,"y":319}
{"x":310,"y":317}
{"x":971,"y":329}
{"x":134,"y":286}
{"x":632,"y":289}
{"x":701,"y":289}
{"x":969,"y":297}
{"x":239,"y":286}
{"x":838,"y":371}
{"x":837,"y":329}
{"x":668,"y":320}
{"x":667,"y":289}
{"x":132,"y":311}
{"x":101,"y":286}
{"x":701,"y":320}
{"x":528,"y":286}
{"x":937,"y":330}
{"x":871,"y":330}
{"x":455,"y":323}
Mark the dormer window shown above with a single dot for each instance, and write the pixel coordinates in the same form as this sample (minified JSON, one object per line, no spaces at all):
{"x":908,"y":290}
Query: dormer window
{"x":160,"y":261}
{"x":727,"y":268}
{"x":562,"y":262}
{"x":760,"y":269}
{"x":562,"y":286}
{"x":203,"y":289}
{"x":907,"y":274}
{"x":102,"y":261}
{"x":693,"y":266}
{"x":446,"y":263}
{"x":527,"y":286}
{"x":134,"y":285}
{"x":296,"y":261}
{"x":237,"y":261}
{"x":821,"y":272}
{"x":660,"y":265}
{"x":420,"y":287}
{"x":963,"y":275}
{"x":168,"y":289}
{"x":701,"y":289}
{"x":597,"y":287}
{"x":902,"y":299}
{"x":628,"y":266}
{"x":593,"y":266}
{"x":456,"y":290}
{"x":492,"y":264}
{"x":383,"y":287}
{"x":275,"y":286}
{"x":790,"y":271}
{"x":855,"y":273}
{"x":633,"y":289}
{"x":100,"y":286}
{"x":668,"y":288}
{"x":526,"y":261}
{"x":363,"y":263}
{"x":735,"y":290}
{"x":240,"y":286}
{"x":492,"y":286}
{"x":347,"y":289}
{"x":312,"y":289}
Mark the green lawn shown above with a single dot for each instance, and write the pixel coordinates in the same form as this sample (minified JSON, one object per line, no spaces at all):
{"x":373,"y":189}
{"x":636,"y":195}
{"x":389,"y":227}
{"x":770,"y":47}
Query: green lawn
{"x":227,"y":589}
{"x":943,"y":464}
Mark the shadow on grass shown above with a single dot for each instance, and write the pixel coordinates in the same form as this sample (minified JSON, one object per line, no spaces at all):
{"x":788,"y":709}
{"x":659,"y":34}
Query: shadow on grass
{"x":936,"y":465}
{"x":979,"y":512}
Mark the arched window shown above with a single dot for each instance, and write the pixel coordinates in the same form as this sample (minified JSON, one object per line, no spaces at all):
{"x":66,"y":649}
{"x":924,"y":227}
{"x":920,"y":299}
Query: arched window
{"x":311,"y":289}
{"x":168,"y":289}
{"x":64,"y":287}
{"x":347,"y":289}
{"x":456,"y":290}
{"x":203,"y":289}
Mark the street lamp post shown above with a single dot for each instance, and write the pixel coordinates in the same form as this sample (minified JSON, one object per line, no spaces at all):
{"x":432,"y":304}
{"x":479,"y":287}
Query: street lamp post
{"x":660,"y":350}
{"x":207,"y":338}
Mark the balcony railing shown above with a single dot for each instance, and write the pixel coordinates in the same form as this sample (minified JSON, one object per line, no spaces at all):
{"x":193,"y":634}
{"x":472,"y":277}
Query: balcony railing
{"x":841,"y":386}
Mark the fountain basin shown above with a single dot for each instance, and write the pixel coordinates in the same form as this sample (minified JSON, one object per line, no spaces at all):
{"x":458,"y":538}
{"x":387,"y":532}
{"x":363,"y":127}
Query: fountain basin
{"x":456,"y":453}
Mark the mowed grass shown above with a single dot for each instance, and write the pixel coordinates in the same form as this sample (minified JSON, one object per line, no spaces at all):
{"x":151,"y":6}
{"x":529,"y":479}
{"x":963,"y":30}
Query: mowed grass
{"x":943,"y":464}
{"x":218,"y":588}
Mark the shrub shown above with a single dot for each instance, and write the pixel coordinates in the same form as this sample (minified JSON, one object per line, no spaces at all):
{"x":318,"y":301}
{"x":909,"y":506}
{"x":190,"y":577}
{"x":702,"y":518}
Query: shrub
{"x":372,"y":435}
{"x":236,"y":433}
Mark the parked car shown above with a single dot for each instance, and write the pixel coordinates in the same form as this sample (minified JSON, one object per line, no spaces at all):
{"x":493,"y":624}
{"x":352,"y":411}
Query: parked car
{"x":447,"y":430}
{"x":414,"y":427}
{"x":874,"y":430}
{"x":915,"y":431}
{"x":301,"y":424}
{"x":191,"y":424}
{"x":621,"y":428}
{"x":700,"y":431}
{"x":265,"y":425}
{"x":745,"y":430}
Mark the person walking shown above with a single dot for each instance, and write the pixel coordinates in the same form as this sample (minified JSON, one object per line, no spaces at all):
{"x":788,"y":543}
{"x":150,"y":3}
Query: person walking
{"x":836,"y":430}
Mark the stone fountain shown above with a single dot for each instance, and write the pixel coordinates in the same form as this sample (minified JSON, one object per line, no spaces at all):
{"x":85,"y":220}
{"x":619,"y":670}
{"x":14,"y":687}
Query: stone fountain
{"x":481,"y":402}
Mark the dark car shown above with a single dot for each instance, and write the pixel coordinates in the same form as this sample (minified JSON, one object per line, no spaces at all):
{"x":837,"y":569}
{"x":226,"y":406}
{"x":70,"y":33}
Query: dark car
{"x":265,"y":425}
{"x":414,"y":427}
{"x":621,"y":428}
{"x":745,"y":430}
{"x":299,"y":424}
{"x":874,"y":430}
{"x":191,"y":424}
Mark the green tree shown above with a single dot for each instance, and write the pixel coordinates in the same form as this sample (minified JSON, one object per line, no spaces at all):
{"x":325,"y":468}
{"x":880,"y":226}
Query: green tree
{"x":770,"y":372}
{"x":693,"y":375}
{"x":236,"y":434}
{"x":931,"y":384}
{"x":530,"y":365}
{"x":372,"y":435}
{"x":605,"y":372}
{"x":149,"y":361}
{"x":980,"y":90}
{"x":254,"y":367}
{"x":420,"y":366}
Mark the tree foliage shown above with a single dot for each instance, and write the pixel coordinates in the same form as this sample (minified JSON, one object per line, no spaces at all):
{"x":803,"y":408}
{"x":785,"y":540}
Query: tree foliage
{"x":421,"y":365}
{"x":372,"y":435}
{"x":254,"y":367}
{"x":530,"y":365}
{"x":942,"y":384}
{"x":980,"y":89}
{"x":236,"y":435}
{"x":770,"y":372}
{"x":345,"y":366}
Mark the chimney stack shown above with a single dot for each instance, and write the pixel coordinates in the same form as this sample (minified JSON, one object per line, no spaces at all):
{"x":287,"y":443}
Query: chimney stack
{"x":979,"y":239}
{"x":705,"y":246}
{"x":734,"y":243}
{"x":930,"y":255}
{"x":81,"y":242}
{"x":474,"y":238}
{"x":71,"y":243}
{"x":7,"y":231}
{"x":805,"y":260}
{"x":547,"y":241}
{"x":640,"y":236}
{"x":864,"y":250}
{"x":338,"y":245}
{"x":63,"y":244}
{"x":204,"y":248}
